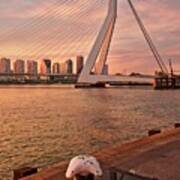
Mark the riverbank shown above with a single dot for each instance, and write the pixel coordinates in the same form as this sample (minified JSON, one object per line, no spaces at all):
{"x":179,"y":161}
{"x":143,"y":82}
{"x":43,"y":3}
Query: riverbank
{"x":157,"y":156}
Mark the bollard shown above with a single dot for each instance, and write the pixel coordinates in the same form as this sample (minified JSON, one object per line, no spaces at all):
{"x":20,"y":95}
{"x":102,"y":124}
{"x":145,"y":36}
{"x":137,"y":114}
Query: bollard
{"x":23,"y":172}
{"x":177,"y":125}
{"x":153,"y":132}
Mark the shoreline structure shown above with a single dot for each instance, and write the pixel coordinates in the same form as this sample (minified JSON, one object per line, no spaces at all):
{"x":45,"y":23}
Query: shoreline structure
{"x":154,"y":157}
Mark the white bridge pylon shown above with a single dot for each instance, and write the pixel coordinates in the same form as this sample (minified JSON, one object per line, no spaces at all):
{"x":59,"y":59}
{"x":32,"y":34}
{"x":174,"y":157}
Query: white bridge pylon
{"x":100,"y":48}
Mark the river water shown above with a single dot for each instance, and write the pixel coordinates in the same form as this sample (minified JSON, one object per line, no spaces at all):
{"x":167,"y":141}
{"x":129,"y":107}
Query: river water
{"x":40,"y":126}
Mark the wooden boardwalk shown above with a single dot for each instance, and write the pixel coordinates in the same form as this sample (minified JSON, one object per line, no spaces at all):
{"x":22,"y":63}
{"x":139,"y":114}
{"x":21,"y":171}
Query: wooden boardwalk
{"x":154,"y":157}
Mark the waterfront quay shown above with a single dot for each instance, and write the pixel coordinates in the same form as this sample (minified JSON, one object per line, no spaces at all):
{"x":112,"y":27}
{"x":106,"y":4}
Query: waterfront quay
{"x":154,"y":157}
{"x":26,"y":78}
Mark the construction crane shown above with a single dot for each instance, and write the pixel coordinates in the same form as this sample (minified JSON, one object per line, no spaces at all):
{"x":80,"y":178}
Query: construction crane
{"x":149,"y":40}
{"x":171,"y":67}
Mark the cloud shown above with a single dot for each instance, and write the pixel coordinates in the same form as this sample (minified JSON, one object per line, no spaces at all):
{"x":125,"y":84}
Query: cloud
{"x":68,"y":27}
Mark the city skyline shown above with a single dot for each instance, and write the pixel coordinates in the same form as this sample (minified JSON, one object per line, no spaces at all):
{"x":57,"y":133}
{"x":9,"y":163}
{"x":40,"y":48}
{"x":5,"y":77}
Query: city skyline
{"x":129,"y":52}
{"x":45,"y":66}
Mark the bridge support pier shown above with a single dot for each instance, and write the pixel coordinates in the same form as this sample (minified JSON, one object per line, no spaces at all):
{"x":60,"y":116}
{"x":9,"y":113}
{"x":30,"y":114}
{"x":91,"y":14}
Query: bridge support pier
{"x":91,"y":85}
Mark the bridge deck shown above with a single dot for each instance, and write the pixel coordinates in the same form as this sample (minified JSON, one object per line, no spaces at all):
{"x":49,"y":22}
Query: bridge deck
{"x":114,"y":78}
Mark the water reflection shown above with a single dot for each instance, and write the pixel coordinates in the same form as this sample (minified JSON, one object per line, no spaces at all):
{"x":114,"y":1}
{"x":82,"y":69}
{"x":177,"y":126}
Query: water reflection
{"x":41,"y":126}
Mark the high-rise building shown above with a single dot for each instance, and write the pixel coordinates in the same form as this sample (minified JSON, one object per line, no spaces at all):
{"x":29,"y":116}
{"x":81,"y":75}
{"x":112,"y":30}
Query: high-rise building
{"x":45,"y":67}
{"x":106,"y":70}
{"x":5,"y":66}
{"x":67,"y":67}
{"x":63,"y":68}
{"x":79,"y":64}
{"x":32,"y":67}
{"x":19,"y":70}
{"x":19,"y":67}
{"x":56,"y":68}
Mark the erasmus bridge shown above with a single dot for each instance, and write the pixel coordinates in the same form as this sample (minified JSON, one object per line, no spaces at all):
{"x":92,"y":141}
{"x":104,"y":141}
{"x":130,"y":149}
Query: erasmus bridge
{"x":99,"y":52}
{"x":92,"y":72}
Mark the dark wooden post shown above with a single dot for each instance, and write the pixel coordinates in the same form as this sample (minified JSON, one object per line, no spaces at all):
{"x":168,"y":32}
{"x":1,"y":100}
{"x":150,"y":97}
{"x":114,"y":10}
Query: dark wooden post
{"x":23,"y":172}
{"x":177,"y":125}
{"x":153,"y":132}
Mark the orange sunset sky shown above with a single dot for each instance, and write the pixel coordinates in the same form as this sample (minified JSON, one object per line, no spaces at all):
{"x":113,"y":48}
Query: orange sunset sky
{"x":61,"y":29}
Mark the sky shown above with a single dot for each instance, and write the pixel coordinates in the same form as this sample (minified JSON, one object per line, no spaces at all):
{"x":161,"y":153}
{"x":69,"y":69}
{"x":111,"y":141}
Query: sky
{"x":61,"y":29}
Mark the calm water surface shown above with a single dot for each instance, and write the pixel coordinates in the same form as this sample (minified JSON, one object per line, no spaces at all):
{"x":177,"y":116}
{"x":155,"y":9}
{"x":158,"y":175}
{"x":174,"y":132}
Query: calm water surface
{"x":40,"y":126}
